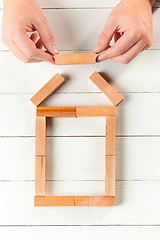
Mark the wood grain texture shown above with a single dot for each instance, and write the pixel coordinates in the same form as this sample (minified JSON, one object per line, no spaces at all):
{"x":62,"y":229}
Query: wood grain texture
{"x":77,"y":58}
{"x":110,"y":175}
{"x":138,"y":106}
{"x":106,"y":88}
{"x":56,"y":111}
{"x":54,"y":201}
{"x":47,"y":89}
{"x":40,"y":136}
{"x":40,"y":175}
{"x":92,"y":111}
{"x":94,"y":201}
{"x":110,"y":135}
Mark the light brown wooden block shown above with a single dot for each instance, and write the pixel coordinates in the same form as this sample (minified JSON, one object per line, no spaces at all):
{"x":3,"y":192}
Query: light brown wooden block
{"x":110,"y":135}
{"x":56,"y":111}
{"x":40,"y":140}
{"x":40,"y":175}
{"x":47,"y":89}
{"x":106,"y":88}
{"x":92,"y":111}
{"x":94,"y":201}
{"x":78,"y":58}
{"x":110,"y":176}
{"x":54,"y":201}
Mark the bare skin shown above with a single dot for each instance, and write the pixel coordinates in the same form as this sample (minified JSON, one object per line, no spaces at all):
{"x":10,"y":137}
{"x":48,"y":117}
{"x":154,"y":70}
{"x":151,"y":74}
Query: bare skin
{"x":130,"y":23}
{"x":20,"y":17}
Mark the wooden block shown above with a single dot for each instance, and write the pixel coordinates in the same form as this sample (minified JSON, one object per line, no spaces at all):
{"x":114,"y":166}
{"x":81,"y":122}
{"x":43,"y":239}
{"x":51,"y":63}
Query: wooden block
{"x":54,"y":201}
{"x":47,"y":89}
{"x":110,"y":135}
{"x":40,"y":139}
{"x":110,"y":176}
{"x":78,"y":58}
{"x":106,"y":88}
{"x":40,"y":175}
{"x":95,"y":201}
{"x":56,"y":111}
{"x":92,"y":111}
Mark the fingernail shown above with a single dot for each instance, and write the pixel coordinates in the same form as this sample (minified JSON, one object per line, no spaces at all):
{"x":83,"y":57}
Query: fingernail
{"x":55,"y":49}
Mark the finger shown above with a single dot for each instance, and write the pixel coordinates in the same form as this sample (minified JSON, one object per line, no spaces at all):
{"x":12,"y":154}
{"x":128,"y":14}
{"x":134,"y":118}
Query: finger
{"x":106,"y":36}
{"x":39,"y":44}
{"x":117,"y":35}
{"x":131,"y":53}
{"x":122,"y":45}
{"x":47,"y":37}
{"x":19,"y":54}
{"x":30,"y":50}
{"x":145,"y":48}
{"x":34,"y":37}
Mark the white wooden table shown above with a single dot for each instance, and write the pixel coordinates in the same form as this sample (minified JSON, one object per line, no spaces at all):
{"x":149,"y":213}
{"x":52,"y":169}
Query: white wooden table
{"x":75,"y":147}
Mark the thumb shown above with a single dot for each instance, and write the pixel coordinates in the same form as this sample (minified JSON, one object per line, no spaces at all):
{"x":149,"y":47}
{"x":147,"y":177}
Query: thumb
{"x":106,"y":36}
{"x":47,"y":37}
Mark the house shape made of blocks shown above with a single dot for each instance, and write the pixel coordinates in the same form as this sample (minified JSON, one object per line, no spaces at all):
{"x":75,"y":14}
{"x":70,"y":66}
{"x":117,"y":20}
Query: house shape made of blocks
{"x":108,"y":199}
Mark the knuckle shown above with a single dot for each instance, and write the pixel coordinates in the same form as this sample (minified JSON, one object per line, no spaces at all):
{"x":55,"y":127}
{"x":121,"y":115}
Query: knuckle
{"x":26,"y":60}
{"x":31,"y":54}
{"x":141,"y":32}
{"x":12,"y":34}
{"x":126,"y":61}
{"x":49,"y":38}
{"x":149,"y":41}
{"x":103,"y":36}
{"x":120,"y":51}
{"x":41,"y":19}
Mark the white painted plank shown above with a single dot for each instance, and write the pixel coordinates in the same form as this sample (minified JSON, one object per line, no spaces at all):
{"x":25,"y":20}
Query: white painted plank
{"x":81,"y":232}
{"x":74,"y":3}
{"x":78,"y":4}
{"x":71,"y":33}
{"x":139,"y":114}
{"x":81,"y":158}
{"x":17,"y":77}
{"x":137,"y":203}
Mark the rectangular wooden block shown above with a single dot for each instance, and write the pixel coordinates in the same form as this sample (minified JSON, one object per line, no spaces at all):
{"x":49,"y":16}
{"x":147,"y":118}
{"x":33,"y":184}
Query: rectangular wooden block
{"x":40,"y":139}
{"x":95,"y":201}
{"x":40,"y":175}
{"x":92,"y":111}
{"x":56,"y":111}
{"x":54,"y":201}
{"x":106,"y":88}
{"x":78,"y":58}
{"x":47,"y":89}
{"x":110,"y":176}
{"x":110,"y":135}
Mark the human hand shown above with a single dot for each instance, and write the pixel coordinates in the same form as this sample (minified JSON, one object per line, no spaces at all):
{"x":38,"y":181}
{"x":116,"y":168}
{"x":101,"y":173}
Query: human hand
{"x":20,"y":17}
{"x":130,"y":23}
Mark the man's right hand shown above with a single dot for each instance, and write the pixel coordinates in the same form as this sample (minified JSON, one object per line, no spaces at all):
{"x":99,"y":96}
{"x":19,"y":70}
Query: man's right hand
{"x":20,"y":17}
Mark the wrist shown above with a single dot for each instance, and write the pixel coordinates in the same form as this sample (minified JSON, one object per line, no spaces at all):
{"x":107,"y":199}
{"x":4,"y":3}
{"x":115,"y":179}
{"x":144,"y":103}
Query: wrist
{"x":140,"y":2}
